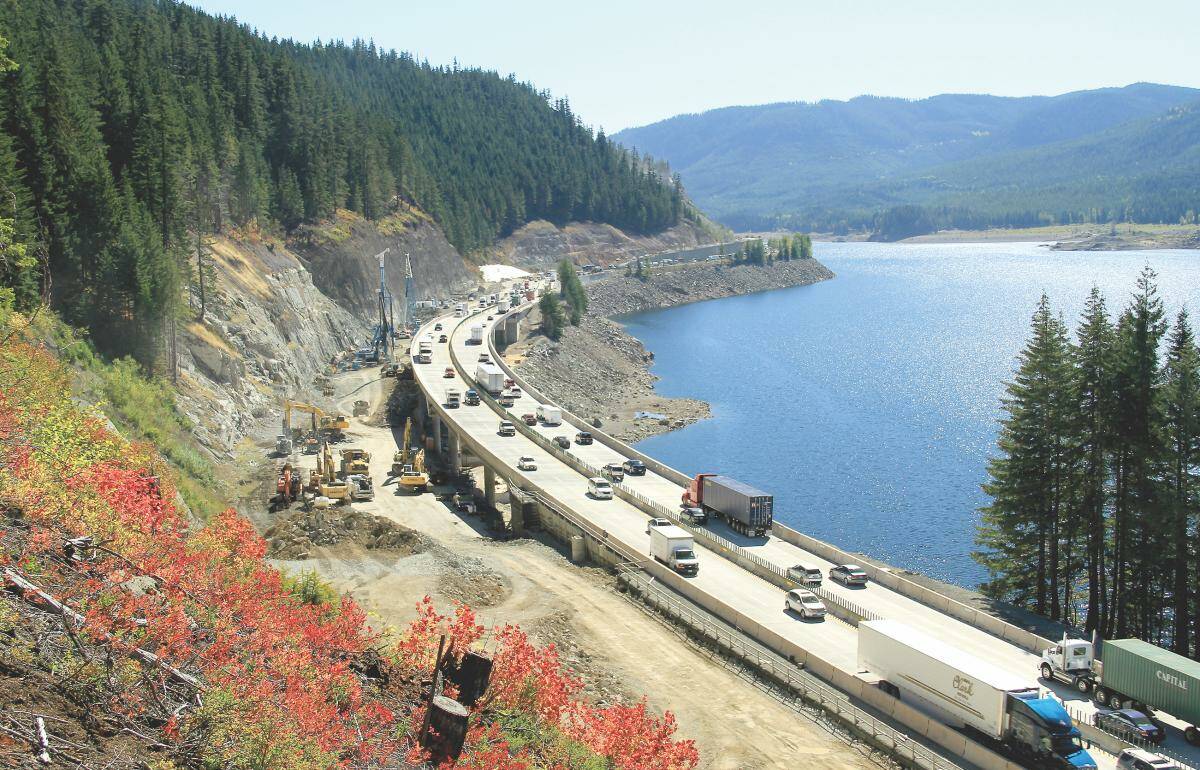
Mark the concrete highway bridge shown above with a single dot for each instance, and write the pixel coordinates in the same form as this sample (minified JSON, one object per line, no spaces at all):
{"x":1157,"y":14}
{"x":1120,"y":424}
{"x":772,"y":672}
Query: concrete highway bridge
{"x":742,"y":580}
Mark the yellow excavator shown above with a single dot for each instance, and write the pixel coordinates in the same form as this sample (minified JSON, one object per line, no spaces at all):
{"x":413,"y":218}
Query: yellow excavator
{"x":333,"y":424}
{"x":324,"y":480}
{"x":409,"y":467}
{"x":290,"y":406}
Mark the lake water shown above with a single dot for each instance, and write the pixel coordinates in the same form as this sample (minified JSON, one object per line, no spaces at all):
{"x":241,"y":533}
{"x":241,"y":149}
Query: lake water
{"x":868,"y":404}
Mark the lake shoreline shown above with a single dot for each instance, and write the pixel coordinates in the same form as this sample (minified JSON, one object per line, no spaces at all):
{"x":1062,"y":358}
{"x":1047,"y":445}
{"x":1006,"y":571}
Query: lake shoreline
{"x":601,"y":372}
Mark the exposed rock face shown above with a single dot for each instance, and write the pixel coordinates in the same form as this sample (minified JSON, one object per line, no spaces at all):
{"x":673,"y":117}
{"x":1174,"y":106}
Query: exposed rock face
{"x":341,"y":257}
{"x":267,"y":333}
{"x":540,"y":244}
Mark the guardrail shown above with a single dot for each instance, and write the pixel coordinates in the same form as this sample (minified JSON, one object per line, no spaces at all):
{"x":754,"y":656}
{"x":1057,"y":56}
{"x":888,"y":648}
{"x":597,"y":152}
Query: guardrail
{"x":794,"y":683}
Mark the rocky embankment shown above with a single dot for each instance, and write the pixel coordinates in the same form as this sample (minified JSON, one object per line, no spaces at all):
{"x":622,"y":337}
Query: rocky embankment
{"x":540,"y":244}
{"x":602,"y":373}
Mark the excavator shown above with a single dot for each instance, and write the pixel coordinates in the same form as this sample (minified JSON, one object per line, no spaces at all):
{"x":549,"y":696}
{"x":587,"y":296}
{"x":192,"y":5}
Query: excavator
{"x":290,"y":406}
{"x":324,"y":480}
{"x":333,"y":425}
{"x":409,"y":467}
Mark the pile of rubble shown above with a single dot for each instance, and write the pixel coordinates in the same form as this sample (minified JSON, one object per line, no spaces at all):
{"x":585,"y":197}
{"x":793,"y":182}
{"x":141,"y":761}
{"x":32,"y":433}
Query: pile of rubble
{"x":297,"y":532}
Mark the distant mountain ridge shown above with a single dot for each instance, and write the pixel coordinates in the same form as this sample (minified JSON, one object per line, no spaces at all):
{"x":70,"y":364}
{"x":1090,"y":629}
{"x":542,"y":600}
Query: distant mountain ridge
{"x":992,"y":159}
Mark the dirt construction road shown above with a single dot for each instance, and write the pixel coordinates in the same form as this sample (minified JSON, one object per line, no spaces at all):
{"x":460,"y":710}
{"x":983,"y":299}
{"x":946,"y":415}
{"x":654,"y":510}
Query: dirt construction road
{"x":618,"y":650}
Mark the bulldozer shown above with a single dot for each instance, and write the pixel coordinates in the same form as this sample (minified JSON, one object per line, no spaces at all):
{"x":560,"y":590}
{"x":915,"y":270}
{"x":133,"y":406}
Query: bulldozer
{"x":333,"y":425}
{"x":409,"y":467}
{"x":355,"y":462}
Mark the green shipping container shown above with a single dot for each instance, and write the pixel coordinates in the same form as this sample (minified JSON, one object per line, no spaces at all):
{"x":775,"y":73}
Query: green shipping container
{"x":1154,"y":676}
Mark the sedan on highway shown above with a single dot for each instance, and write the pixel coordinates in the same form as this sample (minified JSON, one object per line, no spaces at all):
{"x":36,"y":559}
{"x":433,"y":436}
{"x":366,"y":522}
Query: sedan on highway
{"x":583,"y":438}
{"x":448,"y":373}
{"x":634,"y":467}
{"x":804,"y":603}
{"x":656,"y":522}
{"x":526,"y":464}
{"x":803,"y":574}
{"x":562,"y":442}
{"x":529,"y":418}
{"x":599,"y":488}
{"x":1140,"y":759}
{"x":1128,"y":723}
{"x":442,"y":338}
{"x":848,"y":575}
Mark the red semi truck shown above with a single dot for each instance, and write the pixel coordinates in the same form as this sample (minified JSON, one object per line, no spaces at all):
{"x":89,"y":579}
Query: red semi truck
{"x":748,"y":510}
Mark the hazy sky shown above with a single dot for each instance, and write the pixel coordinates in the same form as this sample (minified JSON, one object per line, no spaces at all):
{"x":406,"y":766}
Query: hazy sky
{"x":628,"y":62}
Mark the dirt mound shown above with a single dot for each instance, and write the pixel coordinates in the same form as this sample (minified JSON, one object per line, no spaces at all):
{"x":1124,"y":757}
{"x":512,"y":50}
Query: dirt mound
{"x":297,"y":532}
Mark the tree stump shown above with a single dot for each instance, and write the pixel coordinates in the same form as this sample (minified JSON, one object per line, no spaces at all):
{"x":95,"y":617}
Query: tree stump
{"x":447,"y":729}
{"x":472,"y":676}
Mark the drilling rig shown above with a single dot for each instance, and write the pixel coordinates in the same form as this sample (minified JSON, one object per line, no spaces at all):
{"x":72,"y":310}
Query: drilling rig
{"x":384,"y":341}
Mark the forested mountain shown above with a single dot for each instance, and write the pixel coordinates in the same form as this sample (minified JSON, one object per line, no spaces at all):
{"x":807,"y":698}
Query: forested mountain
{"x":127,"y":127}
{"x":967,"y":160}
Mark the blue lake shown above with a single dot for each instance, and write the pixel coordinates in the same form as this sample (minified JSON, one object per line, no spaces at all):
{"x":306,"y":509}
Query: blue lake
{"x":868,"y":403}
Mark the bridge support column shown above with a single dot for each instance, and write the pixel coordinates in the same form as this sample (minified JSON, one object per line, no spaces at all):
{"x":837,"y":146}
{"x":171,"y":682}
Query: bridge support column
{"x":489,"y":486}
{"x":512,"y":330}
{"x":435,"y":432}
{"x":455,"y":451}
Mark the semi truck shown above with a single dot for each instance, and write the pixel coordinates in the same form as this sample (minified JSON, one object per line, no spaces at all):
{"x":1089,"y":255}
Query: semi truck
{"x":490,"y":377}
{"x":1000,"y":709}
{"x":746,"y":509}
{"x":674,"y":547}
{"x":502,"y":307}
{"x":460,"y":310}
{"x":550,"y":415}
{"x":476,"y":336}
{"x":1133,"y":674}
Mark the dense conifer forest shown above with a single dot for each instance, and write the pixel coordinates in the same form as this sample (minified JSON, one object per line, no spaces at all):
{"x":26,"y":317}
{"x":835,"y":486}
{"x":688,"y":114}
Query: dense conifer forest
{"x":130,"y":127}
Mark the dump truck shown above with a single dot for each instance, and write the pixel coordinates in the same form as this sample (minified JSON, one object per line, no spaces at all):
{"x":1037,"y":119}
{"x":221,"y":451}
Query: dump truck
{"x":490,"y":377}
{"x":748,"y":511}
{"x":362,"y":408}
{"x":1000,"y":709}
{"x":674,"y":547}
{"x":1133,"y":674}
{"x":355,"y":462}
{"x":287,"y":487}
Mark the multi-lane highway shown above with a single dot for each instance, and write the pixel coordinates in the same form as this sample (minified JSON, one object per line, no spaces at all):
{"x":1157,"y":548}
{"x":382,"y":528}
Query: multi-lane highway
{"x":832,"y":640}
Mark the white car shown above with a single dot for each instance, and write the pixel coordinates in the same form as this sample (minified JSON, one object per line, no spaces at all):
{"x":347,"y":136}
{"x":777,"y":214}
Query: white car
{"x":507,"y":428}
{"x":1140,"y":759}
{"x":657,"y":523}
{"x":804,"y":603}
{"x":526,"y":464}
{"x":599,"y":488}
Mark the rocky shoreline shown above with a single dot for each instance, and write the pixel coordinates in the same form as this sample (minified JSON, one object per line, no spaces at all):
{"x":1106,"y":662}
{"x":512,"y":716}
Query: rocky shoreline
{"x":600,"y":372}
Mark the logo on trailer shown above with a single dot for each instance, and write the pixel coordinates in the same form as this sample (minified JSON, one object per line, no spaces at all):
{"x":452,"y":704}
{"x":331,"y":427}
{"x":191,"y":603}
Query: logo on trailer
{"x":1171,"y":679}
{"x":963,"y":685}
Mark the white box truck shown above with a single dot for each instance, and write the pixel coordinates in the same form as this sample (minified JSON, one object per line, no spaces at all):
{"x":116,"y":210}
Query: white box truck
{"x":490,"y":377}
{"x":460,"y":310}
{"x":549,"y":415}
{"x":503,"y":306}
{"x":476,"y":336}
{"x":1001,"y":708}
{"x":675,"y":548}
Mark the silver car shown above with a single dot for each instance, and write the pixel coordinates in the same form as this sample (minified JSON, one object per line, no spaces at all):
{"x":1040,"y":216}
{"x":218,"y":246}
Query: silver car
{"x":806,"y":604}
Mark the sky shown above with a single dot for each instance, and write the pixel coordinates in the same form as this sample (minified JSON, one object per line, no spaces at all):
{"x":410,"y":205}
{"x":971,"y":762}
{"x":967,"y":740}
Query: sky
{"x":625,"y":63}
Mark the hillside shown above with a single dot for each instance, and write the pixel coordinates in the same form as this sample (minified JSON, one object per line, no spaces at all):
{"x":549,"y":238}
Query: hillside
{"x":129,"y":129}
{"x":1006,"y":160}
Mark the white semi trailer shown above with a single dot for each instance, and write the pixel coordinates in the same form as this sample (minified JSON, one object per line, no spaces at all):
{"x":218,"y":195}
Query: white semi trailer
{"x":1003,"y":709}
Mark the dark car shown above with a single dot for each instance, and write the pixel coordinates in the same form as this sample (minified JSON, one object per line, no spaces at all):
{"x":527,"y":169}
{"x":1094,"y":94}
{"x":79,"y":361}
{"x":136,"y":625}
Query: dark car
{"x":634,"y":467}
{"x":472,"y":398}
{"x":583,"y":437}
{"x":848,"y":575}
{"x":1128,"y":723}
{"x":563,"y":442}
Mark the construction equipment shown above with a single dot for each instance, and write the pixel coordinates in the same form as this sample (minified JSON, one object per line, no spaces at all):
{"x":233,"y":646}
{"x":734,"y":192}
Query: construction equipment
{"x":290,"y":406}
{"x":361,"y":408}
{"x":362,"y":489}
{"x":355,"y":462}
{"x":333,"y":425}
{"x":325,"y":481}
{"x":409,"y":467}
{"x":287,"y":488}
{"x":283,"y":445}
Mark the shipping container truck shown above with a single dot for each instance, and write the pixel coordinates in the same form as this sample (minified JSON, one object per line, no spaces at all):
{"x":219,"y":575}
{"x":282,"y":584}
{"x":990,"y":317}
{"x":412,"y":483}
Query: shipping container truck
{"x":476,"y":336}
{"x":550,"y":415}
{"x":490,"y":378}
{"x":1133,"y":674}
{"x":503,"y":306}
{"x":999,"y":709}
{"x":748,"y":510}
{"x":675,"y":548}
{"x":460,"y":310}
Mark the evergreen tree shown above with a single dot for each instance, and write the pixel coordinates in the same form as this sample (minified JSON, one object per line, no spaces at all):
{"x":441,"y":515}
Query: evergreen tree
{"x":1021,"y":529}
{"x":572,"y":290}
{"x":553,"y":319}
{"x":1181,"y":408}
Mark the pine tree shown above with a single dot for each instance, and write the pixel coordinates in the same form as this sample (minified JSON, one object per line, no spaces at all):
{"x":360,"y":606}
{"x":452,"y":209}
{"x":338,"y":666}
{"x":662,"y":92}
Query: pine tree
{"x":553,"y":319}
{"x":1181,"y":408}
{"x":1020,"y":531}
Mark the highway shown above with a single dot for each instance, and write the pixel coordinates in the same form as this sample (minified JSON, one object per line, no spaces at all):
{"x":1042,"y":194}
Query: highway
{"x":833,"y":640}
